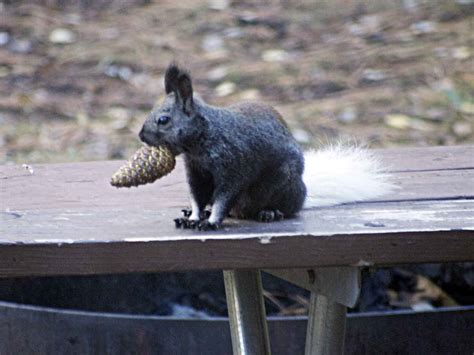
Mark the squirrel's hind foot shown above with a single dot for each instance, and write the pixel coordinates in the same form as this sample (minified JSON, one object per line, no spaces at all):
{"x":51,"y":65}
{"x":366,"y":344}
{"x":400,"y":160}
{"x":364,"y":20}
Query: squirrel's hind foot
{"x":267,"y":216}
{"x":205,"y":225}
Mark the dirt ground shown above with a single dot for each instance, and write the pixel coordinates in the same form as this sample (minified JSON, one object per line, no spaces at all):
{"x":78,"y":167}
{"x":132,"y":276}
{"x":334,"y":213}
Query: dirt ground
{"x":77,"y":78}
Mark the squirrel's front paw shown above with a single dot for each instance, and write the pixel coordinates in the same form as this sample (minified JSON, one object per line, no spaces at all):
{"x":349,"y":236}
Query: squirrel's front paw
{"x":205,"y":225}
{"x":188,"y":211}
{"x":186,"y":223}
{"x":181,"y":222}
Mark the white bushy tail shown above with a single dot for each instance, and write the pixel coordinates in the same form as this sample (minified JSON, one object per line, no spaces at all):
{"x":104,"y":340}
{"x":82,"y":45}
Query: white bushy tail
{"x":342,"y":174}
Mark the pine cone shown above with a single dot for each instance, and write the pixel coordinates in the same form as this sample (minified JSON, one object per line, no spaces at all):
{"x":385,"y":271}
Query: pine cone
{"x":147,"y":165}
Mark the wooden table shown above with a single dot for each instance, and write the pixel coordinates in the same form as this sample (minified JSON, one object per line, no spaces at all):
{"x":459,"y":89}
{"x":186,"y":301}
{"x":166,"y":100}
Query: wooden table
{"x":66,"y":219}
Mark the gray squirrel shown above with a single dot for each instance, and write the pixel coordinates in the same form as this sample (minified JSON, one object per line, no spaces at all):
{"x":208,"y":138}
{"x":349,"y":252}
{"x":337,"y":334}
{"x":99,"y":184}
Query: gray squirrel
{"x":242,"y":160}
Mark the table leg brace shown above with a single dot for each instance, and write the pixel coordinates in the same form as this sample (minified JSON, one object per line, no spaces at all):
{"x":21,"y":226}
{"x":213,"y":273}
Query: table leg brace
{"x":333,"y":289}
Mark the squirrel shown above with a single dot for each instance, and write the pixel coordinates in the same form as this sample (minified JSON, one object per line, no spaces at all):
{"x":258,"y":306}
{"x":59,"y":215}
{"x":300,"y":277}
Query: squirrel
{"x":243,"y":161}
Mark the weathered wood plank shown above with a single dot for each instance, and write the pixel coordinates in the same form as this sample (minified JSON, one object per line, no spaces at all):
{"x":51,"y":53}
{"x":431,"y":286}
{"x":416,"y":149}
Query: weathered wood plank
{"x":78,"y":185}
{"x":432,"y":158}
{"x":126,"y":223}
{"x":432,"y":185}
{"x":84,"y":185}
{"x":106,"y":241}
{"x":66,"y":218}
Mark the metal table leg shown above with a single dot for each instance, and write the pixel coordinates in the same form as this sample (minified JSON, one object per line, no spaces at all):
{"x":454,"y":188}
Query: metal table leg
{"x":326,"y":326}
{"x":248,"y":324}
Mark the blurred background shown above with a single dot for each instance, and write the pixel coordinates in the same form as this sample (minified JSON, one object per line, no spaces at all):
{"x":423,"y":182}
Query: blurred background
{"x":77,"y":78}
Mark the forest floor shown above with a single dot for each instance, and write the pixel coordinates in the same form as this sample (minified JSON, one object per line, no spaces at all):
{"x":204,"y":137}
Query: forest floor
{"x":78,"y":80}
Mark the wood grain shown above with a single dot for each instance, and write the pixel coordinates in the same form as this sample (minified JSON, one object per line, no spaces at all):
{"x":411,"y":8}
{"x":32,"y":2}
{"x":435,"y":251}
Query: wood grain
{"x":423,"y":159}
{"x":86,"y":185}
{"x":67,"y":219}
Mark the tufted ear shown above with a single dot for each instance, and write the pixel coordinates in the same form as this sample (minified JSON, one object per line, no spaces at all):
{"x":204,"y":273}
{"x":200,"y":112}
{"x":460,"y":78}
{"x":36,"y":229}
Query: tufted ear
{"x":179,"y":82}
{"x":171,"y":78}
{"x":185,"y":92}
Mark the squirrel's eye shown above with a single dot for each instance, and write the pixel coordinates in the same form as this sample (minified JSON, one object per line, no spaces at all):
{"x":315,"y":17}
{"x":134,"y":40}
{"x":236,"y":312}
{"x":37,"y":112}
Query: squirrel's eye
{"x":163,"y":119}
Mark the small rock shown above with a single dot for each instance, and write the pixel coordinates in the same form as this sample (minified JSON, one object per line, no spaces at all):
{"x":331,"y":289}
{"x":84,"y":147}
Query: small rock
{"x":373,"y":75}
{"x":348,"y":115}
{"x":250,"y":94}
{"x":218,"y":5}
{"x":233,"y":32}
{"x":218,"y":73}
{"x":125,"y":73}
{"x":118,"y":71}
{"x":248,"y":19}
{"x":62,"y":36}
{"x":462,"y":129}
{"x":402,"y":122}
{"x":301,"y":136}
{"x":212,"y":43}
{"x":225,"y":89}
{"x":4,"y":38}
{"x":397,"y":121}
{"x":423,"y":27}
{"x":461,"y":53}
{"x":274,"y":55}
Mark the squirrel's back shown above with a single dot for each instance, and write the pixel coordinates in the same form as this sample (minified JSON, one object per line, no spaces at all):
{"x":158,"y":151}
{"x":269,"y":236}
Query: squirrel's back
{"x":257,"y":111}
{"x":248,"y":130}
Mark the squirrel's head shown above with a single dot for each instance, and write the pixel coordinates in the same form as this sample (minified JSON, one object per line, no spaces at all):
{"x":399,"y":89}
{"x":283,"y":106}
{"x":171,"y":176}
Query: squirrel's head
{"x":175,"y":121}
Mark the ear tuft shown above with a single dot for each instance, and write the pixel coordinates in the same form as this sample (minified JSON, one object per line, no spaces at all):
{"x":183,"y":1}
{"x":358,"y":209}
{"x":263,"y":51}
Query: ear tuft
{"x":185,"y":87}
{"x":171,"y":78}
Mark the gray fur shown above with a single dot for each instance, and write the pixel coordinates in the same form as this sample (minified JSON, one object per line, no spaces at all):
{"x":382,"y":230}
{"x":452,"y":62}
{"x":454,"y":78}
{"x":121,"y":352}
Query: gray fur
{"x":242,"y":157}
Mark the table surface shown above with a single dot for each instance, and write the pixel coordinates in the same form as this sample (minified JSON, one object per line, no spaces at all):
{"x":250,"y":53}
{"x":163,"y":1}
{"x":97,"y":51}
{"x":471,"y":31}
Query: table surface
{"x":67,"y":219}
